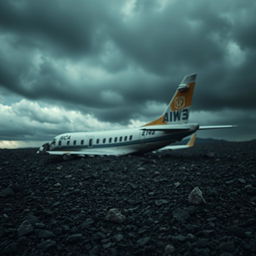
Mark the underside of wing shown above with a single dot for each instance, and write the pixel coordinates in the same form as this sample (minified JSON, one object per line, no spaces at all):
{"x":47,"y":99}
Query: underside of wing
{"x":190,"y":144}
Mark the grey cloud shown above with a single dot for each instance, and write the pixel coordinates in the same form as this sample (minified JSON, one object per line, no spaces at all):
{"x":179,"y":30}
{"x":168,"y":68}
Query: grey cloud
{"x":90,"y":56}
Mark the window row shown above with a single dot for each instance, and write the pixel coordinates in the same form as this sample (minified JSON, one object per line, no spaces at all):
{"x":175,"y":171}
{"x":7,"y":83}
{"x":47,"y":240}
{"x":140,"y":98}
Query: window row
{"x":110,"y":140}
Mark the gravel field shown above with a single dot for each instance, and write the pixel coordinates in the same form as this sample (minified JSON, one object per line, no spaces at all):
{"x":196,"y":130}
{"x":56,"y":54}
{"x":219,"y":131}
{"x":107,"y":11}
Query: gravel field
{"x":131,"y":205}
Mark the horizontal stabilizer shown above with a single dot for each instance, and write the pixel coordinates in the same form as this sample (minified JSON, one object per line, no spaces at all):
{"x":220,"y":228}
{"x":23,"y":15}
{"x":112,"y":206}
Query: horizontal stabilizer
{"x":208,"y":127}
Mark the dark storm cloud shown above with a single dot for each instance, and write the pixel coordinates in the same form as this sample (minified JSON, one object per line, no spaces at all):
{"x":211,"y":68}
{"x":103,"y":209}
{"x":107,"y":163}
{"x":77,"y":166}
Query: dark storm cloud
{"x":68,"y":24}
{"x":110,"y":58}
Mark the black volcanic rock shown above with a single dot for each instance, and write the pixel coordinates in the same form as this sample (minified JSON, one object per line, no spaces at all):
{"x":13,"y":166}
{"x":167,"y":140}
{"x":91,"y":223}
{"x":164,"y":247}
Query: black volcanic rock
{"x":25,"y":228}
{"x":7,"y":192}
{"x":55,"y":207}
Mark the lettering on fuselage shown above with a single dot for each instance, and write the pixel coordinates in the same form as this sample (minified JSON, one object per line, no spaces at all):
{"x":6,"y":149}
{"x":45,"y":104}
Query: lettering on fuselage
{"x":147,"y":132}
{"x":65,"y":137}
{"x":179,"y":115}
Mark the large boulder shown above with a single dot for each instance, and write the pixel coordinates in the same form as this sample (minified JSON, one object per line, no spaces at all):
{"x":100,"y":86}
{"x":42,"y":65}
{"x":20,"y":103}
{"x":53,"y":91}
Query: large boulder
{"x":196,"y":196}
{"x":115,"y":216}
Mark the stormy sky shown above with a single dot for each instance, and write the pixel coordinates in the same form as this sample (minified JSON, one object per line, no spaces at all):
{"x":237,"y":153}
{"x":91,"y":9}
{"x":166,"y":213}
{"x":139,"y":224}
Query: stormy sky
{"x":95,"y":64}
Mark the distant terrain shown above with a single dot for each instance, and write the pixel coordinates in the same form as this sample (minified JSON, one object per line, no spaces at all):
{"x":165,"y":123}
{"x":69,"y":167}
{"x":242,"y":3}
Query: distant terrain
{"x":55,"y":207}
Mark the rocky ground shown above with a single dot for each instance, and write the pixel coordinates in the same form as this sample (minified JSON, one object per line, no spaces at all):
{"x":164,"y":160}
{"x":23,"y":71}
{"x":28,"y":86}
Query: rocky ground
{"x":133,"y":205}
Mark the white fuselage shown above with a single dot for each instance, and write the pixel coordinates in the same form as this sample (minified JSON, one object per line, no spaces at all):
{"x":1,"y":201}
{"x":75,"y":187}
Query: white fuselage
{"x":115,"y":142}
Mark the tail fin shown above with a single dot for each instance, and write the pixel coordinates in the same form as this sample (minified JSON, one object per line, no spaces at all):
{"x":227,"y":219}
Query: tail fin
{"x":177,"y":110}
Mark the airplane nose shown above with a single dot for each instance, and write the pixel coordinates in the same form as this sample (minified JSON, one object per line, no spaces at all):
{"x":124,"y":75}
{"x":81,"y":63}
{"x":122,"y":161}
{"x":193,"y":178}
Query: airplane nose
{"x":39,"y":150}
{"x":45,"y":147}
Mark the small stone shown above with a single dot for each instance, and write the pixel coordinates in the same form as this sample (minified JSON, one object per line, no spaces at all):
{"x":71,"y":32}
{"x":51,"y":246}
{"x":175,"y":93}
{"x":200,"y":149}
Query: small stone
{"x":228,"y":182}
{"x":56,"y":204}
{"x":132,"y":185}
{"x":248,"y":234}
{"x":40,"y":225}
{"x":227,"y":246}
{"x":32,"y":219}
{"x":252,"y":245}
{"x":68,"y":176}
{"x":118,"y":237}
{"x":190,"y":236}
{"x":196,"y":196}
{"x":210,"y":154}
{"x":107,"y":245}
{"x":202,"y":243}
{"x":47,"y":244}
{"x":57,"y":185}
{"x":75,"y":238}
{"x":226,"y":254}
{"x":25,"y":228}
{"x":180,"y":215}
{"x":7,"y":192}
{"x":43,"y":233}
{"x":115,"y":216}
{"x":169,"y":249}
{"x":59,"y":167}
{"x":177,"y":184}
{"x":88,"y":222}
{"x":249,"y":189}
{"x":143,"y":241}
{"x":10,"y":249}
{"x":241,"y":180}
{"x":202,"y":251}
{"x":161,"y":202}
{"x":179,"y":238}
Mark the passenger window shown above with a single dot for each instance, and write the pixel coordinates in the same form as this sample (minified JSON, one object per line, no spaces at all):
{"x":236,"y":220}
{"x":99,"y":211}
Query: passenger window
{"x":110,"y":140}
{"x":125,"y":138}
{"x":98,"y":141}
{"x":59,"y":142}
{"x":121,"y":138}
{"x":115,"y":139}
{"x":104,"y":141}
{"x":68,"y":142}
{"x":130,"y":137}
{"x":74,"y":142}
{"x":82,"y":142}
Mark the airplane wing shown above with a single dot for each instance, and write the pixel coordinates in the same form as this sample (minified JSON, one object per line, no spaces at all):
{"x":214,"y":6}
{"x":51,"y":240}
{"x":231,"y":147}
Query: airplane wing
{"x":207,"y":127}
{"x":190,"y":144}
{"x":109,"y":152}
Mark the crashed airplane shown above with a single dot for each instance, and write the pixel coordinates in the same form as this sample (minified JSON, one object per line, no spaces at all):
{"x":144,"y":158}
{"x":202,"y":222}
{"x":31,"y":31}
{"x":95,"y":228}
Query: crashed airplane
{"x":159,"y":134}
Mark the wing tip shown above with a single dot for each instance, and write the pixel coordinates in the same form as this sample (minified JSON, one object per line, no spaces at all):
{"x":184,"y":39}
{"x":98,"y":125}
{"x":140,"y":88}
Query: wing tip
{"x":192,"y":140}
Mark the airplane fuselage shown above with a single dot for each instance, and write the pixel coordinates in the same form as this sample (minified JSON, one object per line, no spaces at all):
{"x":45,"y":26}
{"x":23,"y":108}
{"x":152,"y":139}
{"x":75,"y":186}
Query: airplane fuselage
{"x":117,"y":142}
